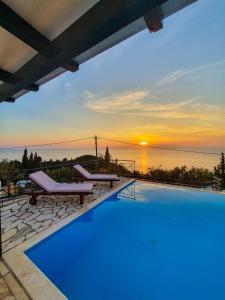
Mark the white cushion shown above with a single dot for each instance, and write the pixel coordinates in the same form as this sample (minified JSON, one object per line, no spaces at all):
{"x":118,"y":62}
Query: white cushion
{"x":104,"y":177}
{"x":82,"y":171}
{"x":51,"y":186}
{"x":73,"y":187}
{"x":43,"y":180}
{"x":90,"y":176}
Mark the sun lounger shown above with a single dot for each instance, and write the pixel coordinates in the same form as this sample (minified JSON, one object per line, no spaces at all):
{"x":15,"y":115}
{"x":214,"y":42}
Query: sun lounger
{"x":95,"y":177}
{"x":50,"y":187}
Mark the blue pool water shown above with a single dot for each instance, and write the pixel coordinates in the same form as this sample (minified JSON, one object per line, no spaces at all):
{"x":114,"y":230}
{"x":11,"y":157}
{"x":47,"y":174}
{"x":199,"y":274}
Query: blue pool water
{"x":145,"y":242}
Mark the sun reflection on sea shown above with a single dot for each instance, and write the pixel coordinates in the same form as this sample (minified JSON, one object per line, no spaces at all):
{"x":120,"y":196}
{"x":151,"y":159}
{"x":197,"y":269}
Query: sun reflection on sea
{"x":144,"y":160}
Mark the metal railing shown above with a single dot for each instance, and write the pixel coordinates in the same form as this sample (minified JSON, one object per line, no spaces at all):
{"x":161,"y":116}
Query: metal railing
{"x":217,"y":184}
{"x":63,"y":172}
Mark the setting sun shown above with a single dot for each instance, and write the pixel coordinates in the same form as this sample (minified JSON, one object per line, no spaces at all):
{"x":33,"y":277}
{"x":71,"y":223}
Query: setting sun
{"x":143,"y":143}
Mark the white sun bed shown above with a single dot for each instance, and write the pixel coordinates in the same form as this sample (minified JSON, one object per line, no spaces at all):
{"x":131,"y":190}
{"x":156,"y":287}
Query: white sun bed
{"x":95,"y":177}
{"x":51,"y":187}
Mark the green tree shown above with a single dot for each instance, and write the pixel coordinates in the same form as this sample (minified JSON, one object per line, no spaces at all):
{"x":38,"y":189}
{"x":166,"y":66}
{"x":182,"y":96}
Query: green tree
{"x":31,"y":161}
{"x":222,"y":164}
{"x":10,"y":171}
{"x":31,"y":158}
{"x":25,"y":161}
{"x":37,"y":160}
{"x":220,"y":170}
{"x":107,"y":156}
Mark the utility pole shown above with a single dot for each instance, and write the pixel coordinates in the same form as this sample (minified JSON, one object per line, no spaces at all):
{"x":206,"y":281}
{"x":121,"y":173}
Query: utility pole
{"x":96,"y":151}
{"x":96,"y":145}
{"x":1,"y":203}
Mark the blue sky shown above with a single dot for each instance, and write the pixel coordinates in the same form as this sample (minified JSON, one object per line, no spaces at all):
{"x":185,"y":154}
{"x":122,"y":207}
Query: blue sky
{"x":166,"y":88}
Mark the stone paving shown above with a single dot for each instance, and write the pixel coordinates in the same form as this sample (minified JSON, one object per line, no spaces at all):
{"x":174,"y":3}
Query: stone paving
{"x":21,"y":221}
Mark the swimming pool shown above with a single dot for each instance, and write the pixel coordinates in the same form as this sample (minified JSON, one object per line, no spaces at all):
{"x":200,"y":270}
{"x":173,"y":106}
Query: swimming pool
{"x":148,"y":241}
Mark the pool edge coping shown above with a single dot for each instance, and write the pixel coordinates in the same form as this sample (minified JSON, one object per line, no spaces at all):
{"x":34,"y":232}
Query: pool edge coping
{"x":27,"y":273}
{"x":192,"y":188}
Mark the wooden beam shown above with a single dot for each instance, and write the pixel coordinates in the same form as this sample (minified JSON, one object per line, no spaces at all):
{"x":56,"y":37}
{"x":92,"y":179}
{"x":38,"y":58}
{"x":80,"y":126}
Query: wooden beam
{"x":12,"y":100}
{"x":71,"y":66}
{"x":33,"y":87}
{"x":100,"y":22}
{"x":8,"y":77}
{"x":17,"y":26}
{"x":154,"y":19}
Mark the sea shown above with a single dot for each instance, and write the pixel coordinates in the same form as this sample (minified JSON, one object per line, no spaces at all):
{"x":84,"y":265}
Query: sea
{"x":144,"y":157}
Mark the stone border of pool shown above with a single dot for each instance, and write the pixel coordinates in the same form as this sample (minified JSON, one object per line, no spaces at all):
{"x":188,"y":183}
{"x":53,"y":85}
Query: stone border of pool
{"x":36,"y":284}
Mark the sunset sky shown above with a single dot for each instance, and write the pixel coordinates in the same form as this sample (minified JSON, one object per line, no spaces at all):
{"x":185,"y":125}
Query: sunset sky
{"x":165,"y":88}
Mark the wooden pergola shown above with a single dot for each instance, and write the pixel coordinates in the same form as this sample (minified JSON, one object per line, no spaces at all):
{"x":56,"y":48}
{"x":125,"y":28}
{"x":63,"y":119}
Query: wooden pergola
{"x":41,"y":39}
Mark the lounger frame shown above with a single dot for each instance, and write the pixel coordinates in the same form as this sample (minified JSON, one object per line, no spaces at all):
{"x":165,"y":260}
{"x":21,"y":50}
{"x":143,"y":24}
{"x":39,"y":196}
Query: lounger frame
{"x":35,"y":194}
{"x":83,"y":178}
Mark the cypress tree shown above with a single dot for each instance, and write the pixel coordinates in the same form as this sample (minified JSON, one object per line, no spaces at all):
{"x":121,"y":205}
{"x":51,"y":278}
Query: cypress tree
{"x":222,"y":169}
{"x":107,"y":156}
{"x":31,"y":160}
{"x":219,"y":170}
{"x":37,"y":160}
{"x":25,"y":159}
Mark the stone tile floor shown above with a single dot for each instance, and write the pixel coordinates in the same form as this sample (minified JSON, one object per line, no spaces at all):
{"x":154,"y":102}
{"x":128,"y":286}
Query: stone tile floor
{"x":21,"y":221}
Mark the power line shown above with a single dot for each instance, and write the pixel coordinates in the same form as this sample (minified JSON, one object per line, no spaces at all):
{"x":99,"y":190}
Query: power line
{"x":48,"y":144}
{"x":111,"y":140}
{"x":161,"y":148}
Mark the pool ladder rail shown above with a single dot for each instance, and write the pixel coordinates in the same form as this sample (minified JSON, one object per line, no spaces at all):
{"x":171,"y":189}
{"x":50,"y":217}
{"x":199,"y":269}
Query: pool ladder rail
{"x":130,"y":193}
